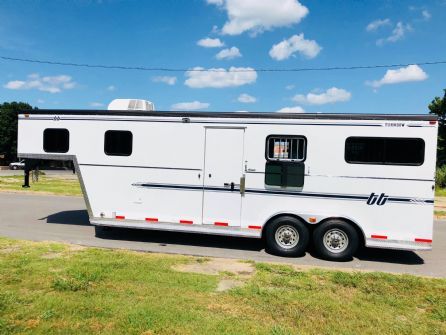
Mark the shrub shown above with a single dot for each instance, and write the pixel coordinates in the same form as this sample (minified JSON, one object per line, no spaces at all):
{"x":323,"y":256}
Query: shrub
{"x":440,"y":177}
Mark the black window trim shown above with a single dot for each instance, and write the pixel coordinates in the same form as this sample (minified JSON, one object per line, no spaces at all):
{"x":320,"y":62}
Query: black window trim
{"x":119,"y":130}
{"x":286,"y":136}
{"x":384,"y":163}
{"x":56,"y":152}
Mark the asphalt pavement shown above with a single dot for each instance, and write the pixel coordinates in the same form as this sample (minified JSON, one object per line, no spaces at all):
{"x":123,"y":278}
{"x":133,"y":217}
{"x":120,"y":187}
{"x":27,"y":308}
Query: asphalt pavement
{"x":65,"y":219}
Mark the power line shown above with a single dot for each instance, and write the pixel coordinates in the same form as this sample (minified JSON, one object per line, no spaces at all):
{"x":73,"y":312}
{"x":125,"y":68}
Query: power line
{"x":166,"y":69}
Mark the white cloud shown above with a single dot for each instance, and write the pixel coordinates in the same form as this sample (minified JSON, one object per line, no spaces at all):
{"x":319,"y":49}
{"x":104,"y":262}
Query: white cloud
{"x":51,"y":84}
{"x":210,"y":43}
{"x":215,"y":2}
{"x":426,"y":14}
{"x":220,"y":78}
{"x":375,"y":25}
{"x":331,"y":95}
{"x":257,"y":16}
{"x":289,"y":87}
{"x":40,"y":101}
{"x":193,"y":105}
{"x":111,"y":88}
{"x":401,"y":75}
{"x":96,"y":104}
{"x":230,"y":53}
{"x":398,"y":33}
{"x":246,"y":98}
{"x":165,"y":79}
{"x":296,"y":43}
{"x":296,"y":109}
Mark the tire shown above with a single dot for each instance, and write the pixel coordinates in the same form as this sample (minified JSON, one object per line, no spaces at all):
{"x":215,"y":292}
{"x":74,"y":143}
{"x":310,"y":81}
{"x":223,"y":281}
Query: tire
{"x":287,"y":236}
{"x":14,"y":167}
{"x":335,"y":240}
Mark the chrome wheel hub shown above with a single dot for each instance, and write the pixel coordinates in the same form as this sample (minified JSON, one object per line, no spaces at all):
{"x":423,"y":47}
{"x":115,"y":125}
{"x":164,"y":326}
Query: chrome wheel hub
{"x":335,"y":240}
{"x":287,"y":237}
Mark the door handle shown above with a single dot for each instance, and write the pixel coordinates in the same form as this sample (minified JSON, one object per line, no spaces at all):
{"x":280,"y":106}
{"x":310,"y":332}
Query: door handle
{"x":242,"y":185}
{"x":231,"y":185}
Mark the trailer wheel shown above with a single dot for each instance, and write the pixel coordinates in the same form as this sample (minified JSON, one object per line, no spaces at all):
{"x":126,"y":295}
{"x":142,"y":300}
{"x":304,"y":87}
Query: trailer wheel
{"x":335,"y":240}
{"x":287,"y":236}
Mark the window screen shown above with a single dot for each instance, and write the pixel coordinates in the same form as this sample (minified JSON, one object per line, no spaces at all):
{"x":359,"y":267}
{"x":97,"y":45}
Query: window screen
{"x":284,"y":174}
{"x":118,"y":143}
{"x":285,"y":148}
{"x":56,"y":140}
{"x":384,"y":150}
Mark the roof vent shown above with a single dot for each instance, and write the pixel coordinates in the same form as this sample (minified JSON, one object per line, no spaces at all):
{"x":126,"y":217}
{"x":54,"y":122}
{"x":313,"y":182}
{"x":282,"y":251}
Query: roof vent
{"x":131,"y":105}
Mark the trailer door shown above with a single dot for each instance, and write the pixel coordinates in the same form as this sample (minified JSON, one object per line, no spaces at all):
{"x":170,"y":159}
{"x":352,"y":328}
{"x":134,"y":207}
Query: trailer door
{"x":223,"y":168}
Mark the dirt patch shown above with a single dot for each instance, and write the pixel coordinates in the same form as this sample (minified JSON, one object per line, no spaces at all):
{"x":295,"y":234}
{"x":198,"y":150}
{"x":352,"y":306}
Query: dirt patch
{"x":235,"y":273}
{"x":9,"y":250}
{"x":51,"y":255}
{"x":216,"y":266}
{"x":227,"y":284}
{"x":76,"y":247}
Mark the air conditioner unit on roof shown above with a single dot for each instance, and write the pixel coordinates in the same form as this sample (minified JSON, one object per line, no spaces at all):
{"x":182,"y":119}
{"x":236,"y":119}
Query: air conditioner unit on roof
{"x":131,"y":105}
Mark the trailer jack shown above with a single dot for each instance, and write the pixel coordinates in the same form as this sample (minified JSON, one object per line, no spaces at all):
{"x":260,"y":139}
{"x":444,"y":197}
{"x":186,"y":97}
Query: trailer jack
{"x":30,"y":164}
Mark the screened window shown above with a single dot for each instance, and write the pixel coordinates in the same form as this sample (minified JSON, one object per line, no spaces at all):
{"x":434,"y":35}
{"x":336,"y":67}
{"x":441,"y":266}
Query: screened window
{"x":56,"y":140}
{"x":285,"y":148}
{"x":284,"y":160}
{"x":284,"y":174}
{"x":118,"y":143}
{"x":384,"y":150}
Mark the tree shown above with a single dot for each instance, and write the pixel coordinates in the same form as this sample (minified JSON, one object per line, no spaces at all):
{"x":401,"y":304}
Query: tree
{"x":438,"y":107}
{"x":8,"y":128}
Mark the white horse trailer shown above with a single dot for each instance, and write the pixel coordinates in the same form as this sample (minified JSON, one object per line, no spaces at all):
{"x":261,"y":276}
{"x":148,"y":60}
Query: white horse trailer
{"x":342,"y":180}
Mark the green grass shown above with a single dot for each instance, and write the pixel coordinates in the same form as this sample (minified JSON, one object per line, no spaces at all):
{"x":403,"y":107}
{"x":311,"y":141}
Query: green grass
{"x":46,"y":184}
{"x":440,"y":213}
{"x":50,"y":288}
{"x":440,"y":192}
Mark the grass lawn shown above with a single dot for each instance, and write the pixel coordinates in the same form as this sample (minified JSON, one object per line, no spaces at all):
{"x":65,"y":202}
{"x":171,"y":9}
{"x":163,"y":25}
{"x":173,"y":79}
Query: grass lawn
{"x":46,"y":184}
{"x":440,"y":192}
{"x":51,"y":288}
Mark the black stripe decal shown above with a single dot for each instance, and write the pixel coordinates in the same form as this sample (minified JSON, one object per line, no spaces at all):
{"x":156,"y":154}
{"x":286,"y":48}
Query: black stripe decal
{"x":211,"y":122}
{"x":250,"y":172}
{"x":277,"y":192}
{"x":351,"y":177}
{"x":141,"y":167}
{"x":250,"y":115}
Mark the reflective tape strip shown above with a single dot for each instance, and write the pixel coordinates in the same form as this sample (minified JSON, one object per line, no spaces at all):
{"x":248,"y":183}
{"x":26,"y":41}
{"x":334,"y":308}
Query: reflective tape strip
{"x":382,"y":237}
{"x":254,"y":227}
{"x":120,"y":217}
{"x":186,"y":221}
{"x":424,"y":240}
{"x":152,"y":219}
{"x":224,"y":224}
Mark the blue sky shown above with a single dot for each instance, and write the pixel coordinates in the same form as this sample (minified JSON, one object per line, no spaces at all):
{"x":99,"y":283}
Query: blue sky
{"x":246,"y":34}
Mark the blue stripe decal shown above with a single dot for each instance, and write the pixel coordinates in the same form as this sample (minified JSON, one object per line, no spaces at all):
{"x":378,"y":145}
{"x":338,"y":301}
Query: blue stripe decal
{"x":279,"y":192}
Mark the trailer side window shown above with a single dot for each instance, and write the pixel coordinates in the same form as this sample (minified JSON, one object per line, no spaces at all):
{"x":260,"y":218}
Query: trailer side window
{"x":285,"y":148}
{"x":118,"y":143}
{"x":384,"y":150}
{"x":56,"y":140}
{"x":285,"y":156}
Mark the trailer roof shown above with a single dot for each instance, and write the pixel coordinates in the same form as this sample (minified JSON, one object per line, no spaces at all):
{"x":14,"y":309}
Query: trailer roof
{"x":244,"y":115}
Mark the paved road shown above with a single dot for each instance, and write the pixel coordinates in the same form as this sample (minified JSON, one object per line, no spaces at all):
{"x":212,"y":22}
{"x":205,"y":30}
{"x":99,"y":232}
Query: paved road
{"x":64,"y":219}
